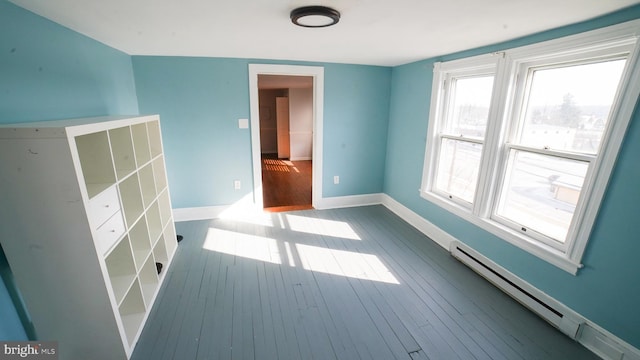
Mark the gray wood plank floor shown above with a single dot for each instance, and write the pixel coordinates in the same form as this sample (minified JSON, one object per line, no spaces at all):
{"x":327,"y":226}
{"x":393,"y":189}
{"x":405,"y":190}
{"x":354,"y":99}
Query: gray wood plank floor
{"x":355,"y":283}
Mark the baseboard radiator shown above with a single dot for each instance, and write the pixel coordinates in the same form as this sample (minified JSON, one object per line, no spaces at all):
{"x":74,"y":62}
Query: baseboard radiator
{"x":546,"y":307}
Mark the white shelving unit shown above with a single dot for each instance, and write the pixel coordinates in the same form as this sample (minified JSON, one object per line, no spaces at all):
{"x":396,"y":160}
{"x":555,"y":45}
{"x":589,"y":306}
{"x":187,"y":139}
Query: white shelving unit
{"x":85,"y":217}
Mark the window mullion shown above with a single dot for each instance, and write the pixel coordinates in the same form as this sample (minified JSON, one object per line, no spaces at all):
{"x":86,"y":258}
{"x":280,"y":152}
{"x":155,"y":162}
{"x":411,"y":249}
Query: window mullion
{"x":489,"y":163}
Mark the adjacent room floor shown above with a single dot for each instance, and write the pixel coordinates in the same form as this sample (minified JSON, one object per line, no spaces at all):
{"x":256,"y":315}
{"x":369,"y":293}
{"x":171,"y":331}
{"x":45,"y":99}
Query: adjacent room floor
{"x":286,"y":184}
{"x":355,"y":283}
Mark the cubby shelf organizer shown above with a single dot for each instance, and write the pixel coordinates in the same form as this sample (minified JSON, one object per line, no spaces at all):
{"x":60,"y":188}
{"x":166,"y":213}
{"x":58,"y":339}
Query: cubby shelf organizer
{"x":85,"y":215}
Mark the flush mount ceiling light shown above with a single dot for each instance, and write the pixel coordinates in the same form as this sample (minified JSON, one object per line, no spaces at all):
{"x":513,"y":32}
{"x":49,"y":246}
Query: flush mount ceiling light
{"x":314,"y":16}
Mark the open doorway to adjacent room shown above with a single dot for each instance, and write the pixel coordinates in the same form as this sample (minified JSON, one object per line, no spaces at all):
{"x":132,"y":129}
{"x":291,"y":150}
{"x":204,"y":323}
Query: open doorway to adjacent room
{"x":287,"y":117}
{"x":286,"y":141}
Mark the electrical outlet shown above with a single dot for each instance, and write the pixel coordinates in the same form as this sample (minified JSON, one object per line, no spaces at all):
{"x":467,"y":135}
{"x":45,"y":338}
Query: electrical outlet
{"x":236,"y":184}
{"x":336,"y":180}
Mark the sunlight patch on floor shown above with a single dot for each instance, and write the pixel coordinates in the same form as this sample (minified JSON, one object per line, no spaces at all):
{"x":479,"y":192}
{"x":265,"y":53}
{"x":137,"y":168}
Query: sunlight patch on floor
{"x":281,"y":168}
{"x":246,"y":211}
{"x":339,"y":229}
{"x":344,"y":263}
{"x":287,"y":247}
{"x":238,"y":244}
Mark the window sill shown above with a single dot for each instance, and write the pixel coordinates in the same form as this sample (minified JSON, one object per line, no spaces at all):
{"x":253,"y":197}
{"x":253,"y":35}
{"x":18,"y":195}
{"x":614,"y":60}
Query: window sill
{"x":534,"y":247}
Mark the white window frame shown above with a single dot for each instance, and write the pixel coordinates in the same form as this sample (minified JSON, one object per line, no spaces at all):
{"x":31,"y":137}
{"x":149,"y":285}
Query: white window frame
{"x":440,"y":97}
{"x":510,"y":68}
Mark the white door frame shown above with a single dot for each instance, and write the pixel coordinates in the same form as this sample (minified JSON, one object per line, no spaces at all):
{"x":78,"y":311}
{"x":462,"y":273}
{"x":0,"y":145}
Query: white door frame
{"x":317,"y":72}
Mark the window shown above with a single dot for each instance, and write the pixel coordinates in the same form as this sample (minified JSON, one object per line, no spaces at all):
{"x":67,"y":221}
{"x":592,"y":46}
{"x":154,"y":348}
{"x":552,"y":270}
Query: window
{"x":522,"y":143}
{"x":462,"y":136}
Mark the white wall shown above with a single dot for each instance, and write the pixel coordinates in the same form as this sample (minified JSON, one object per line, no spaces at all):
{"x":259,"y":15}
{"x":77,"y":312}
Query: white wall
{"x":301,"y":123}
{"x":268,"y":135}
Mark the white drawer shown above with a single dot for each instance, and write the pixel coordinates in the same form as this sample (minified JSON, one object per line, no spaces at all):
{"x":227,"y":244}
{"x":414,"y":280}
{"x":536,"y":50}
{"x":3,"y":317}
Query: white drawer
{"x":110,"y":232}
{"x":103,"y":206}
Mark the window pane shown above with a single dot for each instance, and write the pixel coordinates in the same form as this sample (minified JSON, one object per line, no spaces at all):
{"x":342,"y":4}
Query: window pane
{"x":541,"y":192}
{"x":568,"y":107}
{"x":469,"y":109}
{"x":457,"y":172}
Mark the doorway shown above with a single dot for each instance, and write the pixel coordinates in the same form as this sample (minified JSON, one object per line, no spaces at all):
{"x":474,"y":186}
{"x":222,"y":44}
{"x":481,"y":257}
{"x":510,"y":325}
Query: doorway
{"x":286,"y":155}
{"x":286,"y":141}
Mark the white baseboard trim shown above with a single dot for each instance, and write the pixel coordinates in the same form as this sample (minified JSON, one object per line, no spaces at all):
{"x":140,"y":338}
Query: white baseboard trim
{"x":301,"y":158}
{"x":600,"y":341}
{"x":349,"y":201}
{"x":198,"y":213}
{"x":433,"y":232}
{"x":213,"y":212}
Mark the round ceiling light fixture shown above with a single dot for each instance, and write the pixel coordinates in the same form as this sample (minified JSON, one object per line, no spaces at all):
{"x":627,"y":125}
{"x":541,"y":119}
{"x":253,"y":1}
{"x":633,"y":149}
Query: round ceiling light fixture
{"x":314,"y":16}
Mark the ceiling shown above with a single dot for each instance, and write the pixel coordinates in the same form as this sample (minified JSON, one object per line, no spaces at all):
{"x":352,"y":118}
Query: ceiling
{"x":372,"y":32}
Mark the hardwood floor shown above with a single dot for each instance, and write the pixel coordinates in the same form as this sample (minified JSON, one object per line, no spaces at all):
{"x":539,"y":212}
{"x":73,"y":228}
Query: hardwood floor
{"x":286,"y":184}
{"x":355,"y":283}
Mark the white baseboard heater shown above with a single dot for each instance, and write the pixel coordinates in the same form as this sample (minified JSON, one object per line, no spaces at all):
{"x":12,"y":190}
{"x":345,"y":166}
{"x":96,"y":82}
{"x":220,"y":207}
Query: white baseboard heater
{"x":545,"y":306}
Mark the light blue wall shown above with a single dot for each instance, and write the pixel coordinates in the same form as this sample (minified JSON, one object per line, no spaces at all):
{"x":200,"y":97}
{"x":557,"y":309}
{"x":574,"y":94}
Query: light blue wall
{"x":50,"y":72}
{"x":356,"y":114}
{"x":201,"y":99}
{"x":11,"y":326}
{"x":606,"y":291}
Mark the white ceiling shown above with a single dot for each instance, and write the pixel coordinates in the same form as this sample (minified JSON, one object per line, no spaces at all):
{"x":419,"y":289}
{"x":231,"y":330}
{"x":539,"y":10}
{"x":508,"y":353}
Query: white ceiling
{"x":374,"y":32}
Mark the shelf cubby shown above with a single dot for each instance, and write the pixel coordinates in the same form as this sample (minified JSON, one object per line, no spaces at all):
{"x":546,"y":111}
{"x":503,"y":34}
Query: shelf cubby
{"x":96,"y":163}
{"x":147,"y":185}
{"x":149,"y":279}
{"x":165,"y":207}
{"x":159,"y":174}
{"x":170,"y":240}
{"x":122,"y":149}
{"x":154,"y":222}
{"x":121,"y":269}
{"x":132,"y":311}
{"x":141,"y":143}
{"x":131,"y":199}
{"x":140,"y":243}
{"x":155,"y":140}
{"x":160,"y":254}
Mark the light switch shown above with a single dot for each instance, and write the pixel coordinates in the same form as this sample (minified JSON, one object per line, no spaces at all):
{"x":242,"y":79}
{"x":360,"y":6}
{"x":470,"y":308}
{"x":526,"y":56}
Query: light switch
{"x":243,"y":123}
